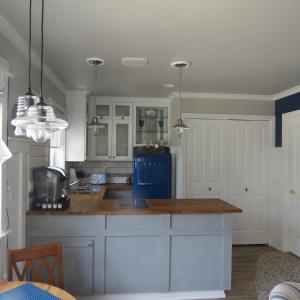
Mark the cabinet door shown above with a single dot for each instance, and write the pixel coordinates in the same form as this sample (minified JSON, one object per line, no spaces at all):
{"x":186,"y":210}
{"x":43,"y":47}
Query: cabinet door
{"x":99,"y":146}
{"x":78,"y":263}
{"x":122,"y":140}
{"x":122,"y":111}
{"x":104,"y":111}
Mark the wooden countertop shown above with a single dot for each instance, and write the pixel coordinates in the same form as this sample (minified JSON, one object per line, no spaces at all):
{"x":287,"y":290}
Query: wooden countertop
{"x":96,"y":204}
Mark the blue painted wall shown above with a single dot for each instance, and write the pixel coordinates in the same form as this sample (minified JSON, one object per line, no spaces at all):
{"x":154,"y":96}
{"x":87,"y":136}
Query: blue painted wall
{"x":284,"y":105}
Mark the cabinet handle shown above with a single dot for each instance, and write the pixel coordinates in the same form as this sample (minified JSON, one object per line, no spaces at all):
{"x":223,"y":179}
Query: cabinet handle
{"x":90,"y":244}
{"x":246,"y":189}
{"x":122,"y":117}
{"x":209,"y":188}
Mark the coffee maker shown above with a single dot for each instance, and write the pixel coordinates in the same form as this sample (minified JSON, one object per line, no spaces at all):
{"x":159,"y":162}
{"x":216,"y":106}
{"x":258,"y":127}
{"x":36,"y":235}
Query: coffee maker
{"x":49,"y":189}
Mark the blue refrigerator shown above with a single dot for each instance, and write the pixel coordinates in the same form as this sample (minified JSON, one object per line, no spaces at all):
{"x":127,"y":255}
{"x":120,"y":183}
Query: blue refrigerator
{"x":152,"y":176}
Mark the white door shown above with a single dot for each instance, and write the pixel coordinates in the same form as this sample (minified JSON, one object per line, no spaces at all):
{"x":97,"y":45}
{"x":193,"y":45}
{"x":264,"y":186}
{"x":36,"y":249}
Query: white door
{"x":248,"y":186}
{"x":205,"y":158}
{"x":295,"y":184}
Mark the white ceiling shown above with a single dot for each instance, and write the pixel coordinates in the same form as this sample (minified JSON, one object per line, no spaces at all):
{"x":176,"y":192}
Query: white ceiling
{"x":236,"y":46}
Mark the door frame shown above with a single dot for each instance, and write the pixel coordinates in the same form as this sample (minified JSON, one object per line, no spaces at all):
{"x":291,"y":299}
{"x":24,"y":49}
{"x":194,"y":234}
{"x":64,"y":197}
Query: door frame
{"x":271,"y":142}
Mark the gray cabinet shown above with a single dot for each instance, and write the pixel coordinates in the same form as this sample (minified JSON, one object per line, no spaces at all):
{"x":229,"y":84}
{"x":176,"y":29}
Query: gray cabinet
{"x":78,"y":262}
{"x":116,"y":254}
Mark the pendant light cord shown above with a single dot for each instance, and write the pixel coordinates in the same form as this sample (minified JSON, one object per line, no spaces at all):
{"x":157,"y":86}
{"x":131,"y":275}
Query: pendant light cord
{"x":29,"y":47}
{"x":95,"y":87}
{"x":180,"y":90}
{"x":42,"y":52}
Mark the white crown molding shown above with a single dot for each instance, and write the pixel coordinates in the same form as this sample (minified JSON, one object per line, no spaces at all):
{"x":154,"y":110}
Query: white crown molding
{"x":21,"y":44}
{"x":286,"y":93}
{"x":227,"y":96}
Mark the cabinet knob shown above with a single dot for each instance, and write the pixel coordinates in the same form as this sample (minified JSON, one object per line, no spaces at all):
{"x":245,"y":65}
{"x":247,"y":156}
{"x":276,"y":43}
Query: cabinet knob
{"x":209,"y":188}
{"x":246,"y":189}
{"x":90,"y":244}
{"x":122,"y":117}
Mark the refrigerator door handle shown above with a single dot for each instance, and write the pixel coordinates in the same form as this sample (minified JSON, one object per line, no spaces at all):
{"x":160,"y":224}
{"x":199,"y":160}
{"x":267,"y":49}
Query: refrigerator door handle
{"x":144,"y":183}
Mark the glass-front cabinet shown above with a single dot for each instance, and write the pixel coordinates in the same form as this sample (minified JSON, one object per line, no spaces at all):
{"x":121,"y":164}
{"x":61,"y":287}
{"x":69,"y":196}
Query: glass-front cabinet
{"x":114,"y":139}
{"x":152,"y":125}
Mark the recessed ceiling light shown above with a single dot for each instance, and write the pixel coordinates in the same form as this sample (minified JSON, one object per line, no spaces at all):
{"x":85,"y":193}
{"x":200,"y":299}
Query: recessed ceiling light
{"x":95,"y":61}
{"x":135,"y":62}
{"x":181,"y":64}
{"x":168,"y":85}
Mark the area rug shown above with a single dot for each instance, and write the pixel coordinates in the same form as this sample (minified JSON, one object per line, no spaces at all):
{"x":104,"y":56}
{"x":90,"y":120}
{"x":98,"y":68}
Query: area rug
{"x":273,"y":268}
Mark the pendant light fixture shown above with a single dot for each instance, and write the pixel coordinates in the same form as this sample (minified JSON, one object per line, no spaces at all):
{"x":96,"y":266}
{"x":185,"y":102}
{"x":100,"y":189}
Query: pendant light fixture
{"x":40,"y":122}
{"x":180,"y":127}
{"x":29,"y":99}
{"x":94,"y":125}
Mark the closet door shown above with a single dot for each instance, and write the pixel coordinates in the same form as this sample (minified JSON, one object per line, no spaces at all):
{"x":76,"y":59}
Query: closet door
{"x":248,"y":187}
{"x":238,"y":180}
{"x":295,"y":184}
{"x":258,"y":181}
{"x":205,"y":158}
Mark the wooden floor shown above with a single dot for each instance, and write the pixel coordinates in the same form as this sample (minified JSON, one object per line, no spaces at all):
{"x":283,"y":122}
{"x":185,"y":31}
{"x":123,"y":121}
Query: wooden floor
{"x":243,"y":271}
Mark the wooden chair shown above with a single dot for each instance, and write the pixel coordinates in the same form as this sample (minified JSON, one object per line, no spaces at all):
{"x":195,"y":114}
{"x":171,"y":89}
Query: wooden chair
{"x":48,"y":257}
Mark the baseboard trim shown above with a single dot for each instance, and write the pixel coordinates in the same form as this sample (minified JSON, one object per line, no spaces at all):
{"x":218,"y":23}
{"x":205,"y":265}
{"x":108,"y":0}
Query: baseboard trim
{"x":193,"y":295}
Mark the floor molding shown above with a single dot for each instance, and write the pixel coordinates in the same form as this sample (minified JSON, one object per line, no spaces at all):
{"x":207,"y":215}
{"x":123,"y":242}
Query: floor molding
{"x":194,"y":295}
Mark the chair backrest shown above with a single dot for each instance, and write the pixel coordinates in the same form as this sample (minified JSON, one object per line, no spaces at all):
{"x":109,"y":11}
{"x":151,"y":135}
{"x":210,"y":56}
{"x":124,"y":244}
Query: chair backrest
{"x":35,"y":259}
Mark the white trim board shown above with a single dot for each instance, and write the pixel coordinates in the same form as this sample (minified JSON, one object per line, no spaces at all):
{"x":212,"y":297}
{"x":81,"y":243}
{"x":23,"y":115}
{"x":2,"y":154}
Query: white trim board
{"x":227,"y":117}
{"x":235,"y":96}
{"x":223,"y":96}
{"x":195,"y":295}
{"x":21,"y":44}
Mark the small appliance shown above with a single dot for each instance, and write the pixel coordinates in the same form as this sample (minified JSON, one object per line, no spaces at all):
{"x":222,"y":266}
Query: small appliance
{"x":152,"y":172}
{"x":49,"y":189}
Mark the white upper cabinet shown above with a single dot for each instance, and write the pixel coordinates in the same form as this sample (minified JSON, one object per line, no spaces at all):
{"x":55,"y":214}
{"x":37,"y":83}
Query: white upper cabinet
{"x":114,"y":140}
{"x":151,"y":124}
{"x":76,"y":103}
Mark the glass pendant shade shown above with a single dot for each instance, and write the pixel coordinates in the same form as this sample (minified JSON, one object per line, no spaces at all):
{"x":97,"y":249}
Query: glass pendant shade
{"x":180,"y":127}
{"x":95,"y":126}
{"x":40,"y":122}
{"x":5,"y":153}
{"x":23,"y":104}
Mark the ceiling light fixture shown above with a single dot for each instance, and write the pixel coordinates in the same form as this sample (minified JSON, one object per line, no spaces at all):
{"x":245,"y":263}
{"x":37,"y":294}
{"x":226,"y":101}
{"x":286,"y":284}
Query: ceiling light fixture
{"x":94,"y":125}
{"x":29,"y":99}
{"x":40,"y":122}
{"x":180,"y":127}
{"x":135,"y":62}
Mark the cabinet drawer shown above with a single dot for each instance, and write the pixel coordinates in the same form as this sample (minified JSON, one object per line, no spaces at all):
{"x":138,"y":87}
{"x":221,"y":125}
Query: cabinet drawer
{"x":197,"y":221}
{"x":134,"y":222}
{"x":65,"y":224}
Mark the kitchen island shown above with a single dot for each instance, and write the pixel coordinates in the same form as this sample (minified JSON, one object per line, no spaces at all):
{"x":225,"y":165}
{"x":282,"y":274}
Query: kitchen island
{"x":175,"y":248}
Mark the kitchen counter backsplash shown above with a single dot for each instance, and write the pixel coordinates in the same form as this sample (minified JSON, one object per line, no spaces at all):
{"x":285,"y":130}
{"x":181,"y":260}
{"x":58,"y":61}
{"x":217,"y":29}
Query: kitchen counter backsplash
{"x":117,"y":171}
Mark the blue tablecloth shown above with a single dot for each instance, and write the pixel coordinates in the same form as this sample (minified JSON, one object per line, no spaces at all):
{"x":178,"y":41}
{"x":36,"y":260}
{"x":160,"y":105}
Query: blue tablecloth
{"x":27,"y":291}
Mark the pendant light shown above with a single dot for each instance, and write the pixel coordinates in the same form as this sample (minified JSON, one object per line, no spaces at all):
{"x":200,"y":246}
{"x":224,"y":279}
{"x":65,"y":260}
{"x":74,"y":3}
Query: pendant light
{"x":40,"y":122}
{"x":180,"y":127}
{"x":29,"y":99}
{"x":94,"y":125}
